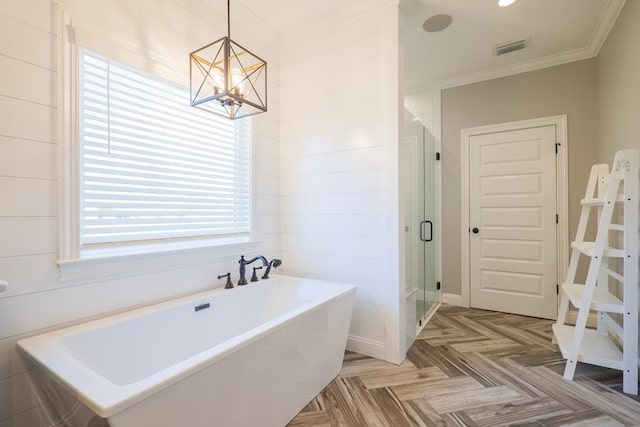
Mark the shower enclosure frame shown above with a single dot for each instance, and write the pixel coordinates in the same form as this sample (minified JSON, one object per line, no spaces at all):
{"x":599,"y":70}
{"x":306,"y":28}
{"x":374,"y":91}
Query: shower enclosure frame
{"x":423,"y":229}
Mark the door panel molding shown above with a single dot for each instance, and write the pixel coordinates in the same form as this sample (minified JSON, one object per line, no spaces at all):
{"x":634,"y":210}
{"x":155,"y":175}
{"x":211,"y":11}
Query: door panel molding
{"x":562,"y":183}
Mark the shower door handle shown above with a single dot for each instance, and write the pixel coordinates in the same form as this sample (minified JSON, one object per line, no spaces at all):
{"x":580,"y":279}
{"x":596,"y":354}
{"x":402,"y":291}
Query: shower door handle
{"x":422,"y":223}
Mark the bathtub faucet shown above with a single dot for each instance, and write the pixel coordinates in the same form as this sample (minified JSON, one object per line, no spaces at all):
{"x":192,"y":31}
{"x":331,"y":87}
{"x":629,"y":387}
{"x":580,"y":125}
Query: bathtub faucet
{"x":243,"y":267}
{"x":275,"y":263}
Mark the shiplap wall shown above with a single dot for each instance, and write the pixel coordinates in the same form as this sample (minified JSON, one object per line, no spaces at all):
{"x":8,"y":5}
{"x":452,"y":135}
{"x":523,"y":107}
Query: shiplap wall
{"x":36,"y":300}
{"x":337,"y":153}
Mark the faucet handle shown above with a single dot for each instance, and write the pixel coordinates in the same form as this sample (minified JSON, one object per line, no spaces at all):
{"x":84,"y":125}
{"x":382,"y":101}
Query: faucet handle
{"x":254,"y":277}
{"x":229,"y":284}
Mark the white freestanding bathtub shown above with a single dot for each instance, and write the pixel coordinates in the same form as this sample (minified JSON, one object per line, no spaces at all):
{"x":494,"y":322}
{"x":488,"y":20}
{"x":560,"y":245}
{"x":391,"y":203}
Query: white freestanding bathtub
{"x":249,"y":356}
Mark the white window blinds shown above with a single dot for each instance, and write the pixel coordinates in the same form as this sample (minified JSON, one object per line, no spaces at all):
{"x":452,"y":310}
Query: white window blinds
{"x":152,"y":167}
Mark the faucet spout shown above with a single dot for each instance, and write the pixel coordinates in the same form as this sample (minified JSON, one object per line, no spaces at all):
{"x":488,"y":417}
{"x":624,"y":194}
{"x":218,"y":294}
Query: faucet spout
{"x":265,"y":263}
{"x":243,"y":267}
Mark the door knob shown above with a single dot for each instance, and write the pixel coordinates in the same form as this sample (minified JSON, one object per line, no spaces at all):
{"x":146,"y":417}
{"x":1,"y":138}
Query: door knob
{"x":475,"y":230}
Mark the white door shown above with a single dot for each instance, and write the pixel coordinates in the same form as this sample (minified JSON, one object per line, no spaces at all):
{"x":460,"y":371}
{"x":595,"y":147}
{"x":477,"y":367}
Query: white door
{"x":512,"y":201}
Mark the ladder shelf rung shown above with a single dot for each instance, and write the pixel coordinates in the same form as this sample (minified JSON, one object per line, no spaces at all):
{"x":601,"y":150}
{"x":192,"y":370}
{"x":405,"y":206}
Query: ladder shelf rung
{"x":596,"y":348}
{"x":614,"y":326}
{"x":587,"y":249}
{"x":600,"y":201}
{"x":613,"y":274}
{"x":616,"y":227}
{"x":603,"y":300}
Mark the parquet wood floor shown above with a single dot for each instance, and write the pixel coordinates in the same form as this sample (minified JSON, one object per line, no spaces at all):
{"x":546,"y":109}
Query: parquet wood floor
{"x":472,"y":367}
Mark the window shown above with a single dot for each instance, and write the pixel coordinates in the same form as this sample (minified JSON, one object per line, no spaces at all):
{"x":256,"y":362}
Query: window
{"x":153,"y":169}
{"x":147,"y":183}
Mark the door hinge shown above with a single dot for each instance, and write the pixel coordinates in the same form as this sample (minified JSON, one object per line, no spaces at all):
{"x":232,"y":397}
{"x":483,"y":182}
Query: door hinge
{"x":557,"y":289}
{"x":557,"y":219}
{"x":557,"y":145}
{"x":437,"y":155}
{"x":438,"y":285}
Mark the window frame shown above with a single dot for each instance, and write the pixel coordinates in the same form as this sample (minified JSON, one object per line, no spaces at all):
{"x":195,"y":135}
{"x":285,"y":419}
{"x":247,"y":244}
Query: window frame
{"x":76,"y":266}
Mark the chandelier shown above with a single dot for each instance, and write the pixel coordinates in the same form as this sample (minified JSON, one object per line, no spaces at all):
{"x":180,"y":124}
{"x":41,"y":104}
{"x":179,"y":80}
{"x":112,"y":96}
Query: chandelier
{"x":227,"y":79}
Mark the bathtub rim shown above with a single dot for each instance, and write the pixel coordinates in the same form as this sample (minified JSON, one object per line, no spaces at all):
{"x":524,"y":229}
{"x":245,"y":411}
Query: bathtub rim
{"x":106,"y":399}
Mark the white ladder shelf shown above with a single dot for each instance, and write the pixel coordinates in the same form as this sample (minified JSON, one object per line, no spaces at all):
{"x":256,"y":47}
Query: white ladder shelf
{"x":614,"y":344}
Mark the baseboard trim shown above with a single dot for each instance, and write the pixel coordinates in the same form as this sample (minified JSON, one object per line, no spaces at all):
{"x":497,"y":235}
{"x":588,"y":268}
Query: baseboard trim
{"x":366,"y":346}
{"x":592,"y":321}
{"x":452,"y":299}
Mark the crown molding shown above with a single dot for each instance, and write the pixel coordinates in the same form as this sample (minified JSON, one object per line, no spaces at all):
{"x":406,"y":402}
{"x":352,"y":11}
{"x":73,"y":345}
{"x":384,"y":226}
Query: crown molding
{"x":605,"y":24}
{"x":607,"y":21}
{"x":509,"y":70}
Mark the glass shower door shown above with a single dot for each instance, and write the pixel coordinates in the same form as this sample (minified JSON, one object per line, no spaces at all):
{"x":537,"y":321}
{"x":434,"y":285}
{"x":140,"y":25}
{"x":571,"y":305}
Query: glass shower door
{"x":428,"y":231}
{"x":413,"y":154}
{"x":421,"y":198}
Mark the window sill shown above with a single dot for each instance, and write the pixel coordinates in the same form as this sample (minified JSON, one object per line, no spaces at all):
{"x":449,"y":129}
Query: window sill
{"x":104,"y":264}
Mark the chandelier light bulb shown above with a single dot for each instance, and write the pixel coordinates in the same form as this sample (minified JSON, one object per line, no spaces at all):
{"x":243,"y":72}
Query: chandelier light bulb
{"x":237,"y":81}
{"x":218,"y":81}
{"x":505,"y":3}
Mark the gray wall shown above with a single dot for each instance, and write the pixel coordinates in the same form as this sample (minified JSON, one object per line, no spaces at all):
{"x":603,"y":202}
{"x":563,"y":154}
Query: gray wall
{"x":618,"y":73}
{"x":565,"y":89}
{"x":618,"y":67}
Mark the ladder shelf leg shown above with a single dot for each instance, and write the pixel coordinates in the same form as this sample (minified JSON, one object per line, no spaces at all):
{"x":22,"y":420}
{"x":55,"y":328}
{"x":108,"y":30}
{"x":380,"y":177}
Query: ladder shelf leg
{"x":604,"y":191}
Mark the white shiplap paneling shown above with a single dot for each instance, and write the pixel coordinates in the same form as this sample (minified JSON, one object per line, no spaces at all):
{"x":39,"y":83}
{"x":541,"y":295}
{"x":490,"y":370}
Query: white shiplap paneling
{"x":315,"y":142}
{"x":27,"y":43}
{"x":334,"y":165}
{"x":268,"y":185}
{"x":28,"y":273}
{"x":36,"y":13}
{"x":27,"y":120}
{"x":352,"y":116}
{"x":22,"y":80}
{"x":36,"y":300}
{"x":25,"y":197}
{"x":339,"y":224}
{"x":16,"y":396}
{"x":27,"y":159}
{"x":31,"y":418}
{"x":337,"y":161}
{"x":357,"y":247}
{"x":341,"y":182}
{"x":366,"y":273}
{"x":371,"y":202}
{"x":27,"y":235}
{"x":12,"y":362}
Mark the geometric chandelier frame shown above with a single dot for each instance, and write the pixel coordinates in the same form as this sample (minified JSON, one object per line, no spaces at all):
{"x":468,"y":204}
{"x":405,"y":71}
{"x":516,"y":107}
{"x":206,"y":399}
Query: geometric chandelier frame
{"x":227,"y":79}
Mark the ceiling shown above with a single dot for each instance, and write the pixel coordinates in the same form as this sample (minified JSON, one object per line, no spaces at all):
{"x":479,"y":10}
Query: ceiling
{"x":558,"y":31}
{"x":285,"y":15}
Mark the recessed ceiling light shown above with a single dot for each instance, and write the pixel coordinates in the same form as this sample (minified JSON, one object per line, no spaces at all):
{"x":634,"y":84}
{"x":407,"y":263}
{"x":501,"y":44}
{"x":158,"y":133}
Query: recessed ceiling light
{"x":505,"y":3}
{"x":437,"y":23}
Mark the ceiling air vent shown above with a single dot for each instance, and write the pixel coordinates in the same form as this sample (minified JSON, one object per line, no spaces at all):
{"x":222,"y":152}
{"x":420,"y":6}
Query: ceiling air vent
{"x":503,"y":48}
